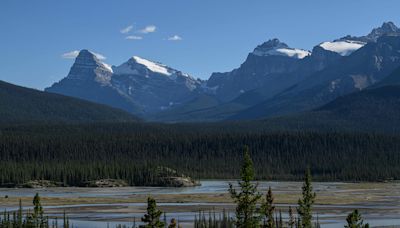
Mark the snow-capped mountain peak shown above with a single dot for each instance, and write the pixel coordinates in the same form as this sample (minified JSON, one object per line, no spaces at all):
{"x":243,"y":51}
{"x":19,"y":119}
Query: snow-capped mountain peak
{"x":136,"y":64}
{"x":342,"y":47}
{"x":276,"y":48}
{"x":153,"y":66}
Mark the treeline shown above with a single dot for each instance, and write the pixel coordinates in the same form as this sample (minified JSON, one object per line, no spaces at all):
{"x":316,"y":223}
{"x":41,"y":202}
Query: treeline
{"x":75,"y":153}
{"x":248,"y":213}
{"x":80,"y":173}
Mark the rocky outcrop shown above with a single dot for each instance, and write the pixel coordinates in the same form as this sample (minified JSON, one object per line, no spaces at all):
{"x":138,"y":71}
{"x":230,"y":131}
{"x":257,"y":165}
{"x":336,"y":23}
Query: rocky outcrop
{"x":104,"y":183}
{"x":168,"y":177}
{"x":181,"y":181}
{"x":158,"y":177}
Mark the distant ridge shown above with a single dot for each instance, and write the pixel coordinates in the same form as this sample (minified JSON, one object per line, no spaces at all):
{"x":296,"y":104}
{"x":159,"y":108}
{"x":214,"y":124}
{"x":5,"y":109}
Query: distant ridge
{"x":23,"y":105}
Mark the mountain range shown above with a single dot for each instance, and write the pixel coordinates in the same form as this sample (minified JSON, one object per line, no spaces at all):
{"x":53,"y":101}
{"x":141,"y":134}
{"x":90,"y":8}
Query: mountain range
{"x":138,"y":86}
{"x":274,"y":80}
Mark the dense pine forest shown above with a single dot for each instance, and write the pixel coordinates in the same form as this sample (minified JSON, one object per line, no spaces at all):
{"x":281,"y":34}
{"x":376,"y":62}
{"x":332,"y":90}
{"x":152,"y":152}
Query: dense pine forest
{"x":72,"y":154}
{"x":252,"y":211}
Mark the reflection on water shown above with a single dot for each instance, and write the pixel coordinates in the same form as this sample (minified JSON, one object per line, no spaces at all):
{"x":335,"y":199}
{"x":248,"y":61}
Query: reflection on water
{"x":380,"y":205}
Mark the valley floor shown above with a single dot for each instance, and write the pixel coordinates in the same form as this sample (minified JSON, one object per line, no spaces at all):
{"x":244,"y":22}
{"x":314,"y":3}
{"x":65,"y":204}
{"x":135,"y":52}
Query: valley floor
{"x":99,"y":207}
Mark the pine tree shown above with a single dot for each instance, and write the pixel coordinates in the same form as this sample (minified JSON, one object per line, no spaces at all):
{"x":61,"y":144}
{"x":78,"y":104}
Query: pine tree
{"x":172,"y":224}
{"x":354,"y":220}
{"x":247,"y":198}
{"x":298,"y":223}
{"x":38,"y":218}
{"x":292,"y":220}
{"x":19,"y":215}
{"x":65,"y":221}
{"x":280,"y":224}
{"x":268,"y":209}
{"x":152,"y":218}
{"x":306,"y":202}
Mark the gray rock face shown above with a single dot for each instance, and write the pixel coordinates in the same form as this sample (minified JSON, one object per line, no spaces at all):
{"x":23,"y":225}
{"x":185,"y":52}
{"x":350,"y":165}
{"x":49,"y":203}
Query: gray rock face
{"x":88,"y":67}
{"x":138,"y":86}
{"x":266,"y":65}
{"x":90,"y":79}
{"x":154,"y":86}
{"x":271,"y":73}
{"x":387,"y":28}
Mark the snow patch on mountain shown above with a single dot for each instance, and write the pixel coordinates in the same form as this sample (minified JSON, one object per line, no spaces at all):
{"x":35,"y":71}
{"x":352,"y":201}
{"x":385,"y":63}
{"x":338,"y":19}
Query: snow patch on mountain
{"x":276,"y":48}
{"x":155,"y":67}
{"x":125,"y":68}
{"x":342,"y":47}
{"x":108,"y":67}
{"x":294,"y":53}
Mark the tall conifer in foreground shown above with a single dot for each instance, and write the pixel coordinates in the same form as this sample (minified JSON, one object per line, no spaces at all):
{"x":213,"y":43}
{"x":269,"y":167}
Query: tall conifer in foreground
{"x":172,"y":224}
{"x":354,"y":220}
{"x":152,"y":218}
{"x":246,"y":199}
{"x":306,"y":202}
{"x":38,"y":213}
{"x":292,"y":220}
{"x":268,"y":209}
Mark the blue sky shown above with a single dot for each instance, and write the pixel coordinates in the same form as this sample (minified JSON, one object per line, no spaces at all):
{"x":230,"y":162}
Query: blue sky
{"x":210,"y":35}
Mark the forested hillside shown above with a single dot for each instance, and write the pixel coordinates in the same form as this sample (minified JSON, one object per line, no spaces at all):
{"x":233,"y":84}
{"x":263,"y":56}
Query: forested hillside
{"x":22,"y":105}
{"x":371,"y":110}
{"x":72,"y":154}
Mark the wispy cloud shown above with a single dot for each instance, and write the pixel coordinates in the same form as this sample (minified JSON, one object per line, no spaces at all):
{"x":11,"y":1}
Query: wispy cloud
{"x":174,"y":38}
{"x":99,"y":56}
{"x":73,"y":54}
{"x":134,"y":38}
{"x":148,"y":29}
{"x":126,"y":29}
{"x":70,"y":55}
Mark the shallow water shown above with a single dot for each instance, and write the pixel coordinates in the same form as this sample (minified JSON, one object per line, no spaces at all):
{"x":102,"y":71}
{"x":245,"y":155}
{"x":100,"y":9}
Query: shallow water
{"x":379,"y":204}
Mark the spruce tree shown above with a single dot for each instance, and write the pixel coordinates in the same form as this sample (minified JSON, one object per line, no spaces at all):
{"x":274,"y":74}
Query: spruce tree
{"x":172,"y":224}
{"x":19,"y":215}
{"x":268,"y":209}
{"x":280,"y":224}
{"x":152,"y":218}
{"x":354,"y":220}
{"x":38,"y":218}
{"x":65,"y":221}
{"x":246,"y":199}
{"x":292,"y":220}
{"x":306,"y":202}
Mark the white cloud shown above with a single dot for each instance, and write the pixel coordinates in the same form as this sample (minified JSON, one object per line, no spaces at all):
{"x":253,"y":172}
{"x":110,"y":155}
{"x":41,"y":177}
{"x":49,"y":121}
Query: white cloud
{"x":175,"y":38}
{"x":70,"y":55}
{"x":126,"y":29}
{"x":99,"y":56}
{"x":75,"y":53}
{"x":148,"y":29}
{"x":134,"y":38}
